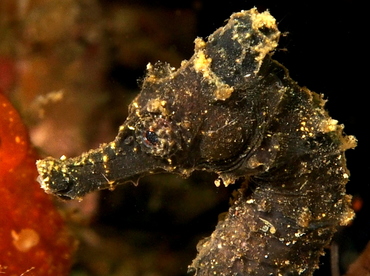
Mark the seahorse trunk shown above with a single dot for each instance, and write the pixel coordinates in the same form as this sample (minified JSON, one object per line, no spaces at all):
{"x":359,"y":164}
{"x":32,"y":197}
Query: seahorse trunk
{"x":284,"y":216}
{"x":282,"y":219}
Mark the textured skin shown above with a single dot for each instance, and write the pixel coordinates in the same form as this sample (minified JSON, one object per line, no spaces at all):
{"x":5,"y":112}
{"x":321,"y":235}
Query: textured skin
{"x":232,"y":110}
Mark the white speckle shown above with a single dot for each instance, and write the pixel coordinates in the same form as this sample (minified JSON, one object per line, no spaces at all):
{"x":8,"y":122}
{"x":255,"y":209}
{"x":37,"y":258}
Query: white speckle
{"x":299,"y":234}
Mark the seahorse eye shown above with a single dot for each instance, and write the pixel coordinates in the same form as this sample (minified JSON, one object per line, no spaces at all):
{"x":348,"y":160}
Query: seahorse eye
{"x":151,"y":137}
{"x":158,"y":135}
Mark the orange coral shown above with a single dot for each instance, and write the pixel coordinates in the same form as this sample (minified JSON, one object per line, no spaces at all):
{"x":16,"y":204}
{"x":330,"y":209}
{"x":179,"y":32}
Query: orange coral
{"x":33,"y":237}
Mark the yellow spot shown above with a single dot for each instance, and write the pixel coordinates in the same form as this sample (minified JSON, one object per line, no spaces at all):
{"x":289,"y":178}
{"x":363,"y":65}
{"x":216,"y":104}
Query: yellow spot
{"x":217,"y":182}
{"x":264,"y":19}
{"x":329,"y":125}
{"x":157,"y":105}
{"x":348,"y":214}
{"x":105,"y":158}
{"x":304,"y":218}
{"x":201,"y":64}
{"x":224,"y":91}
{"x":113,"y":145}
{"x":269,"y":225}
{"x":199,"y":43}
{"x":261,"y":21}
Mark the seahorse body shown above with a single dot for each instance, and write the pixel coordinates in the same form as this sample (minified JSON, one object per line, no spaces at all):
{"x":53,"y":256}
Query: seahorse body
{"x":233,"y":110}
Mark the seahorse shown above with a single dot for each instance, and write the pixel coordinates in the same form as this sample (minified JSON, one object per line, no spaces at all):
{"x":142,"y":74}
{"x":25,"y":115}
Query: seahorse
{"x":233,"y":110}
